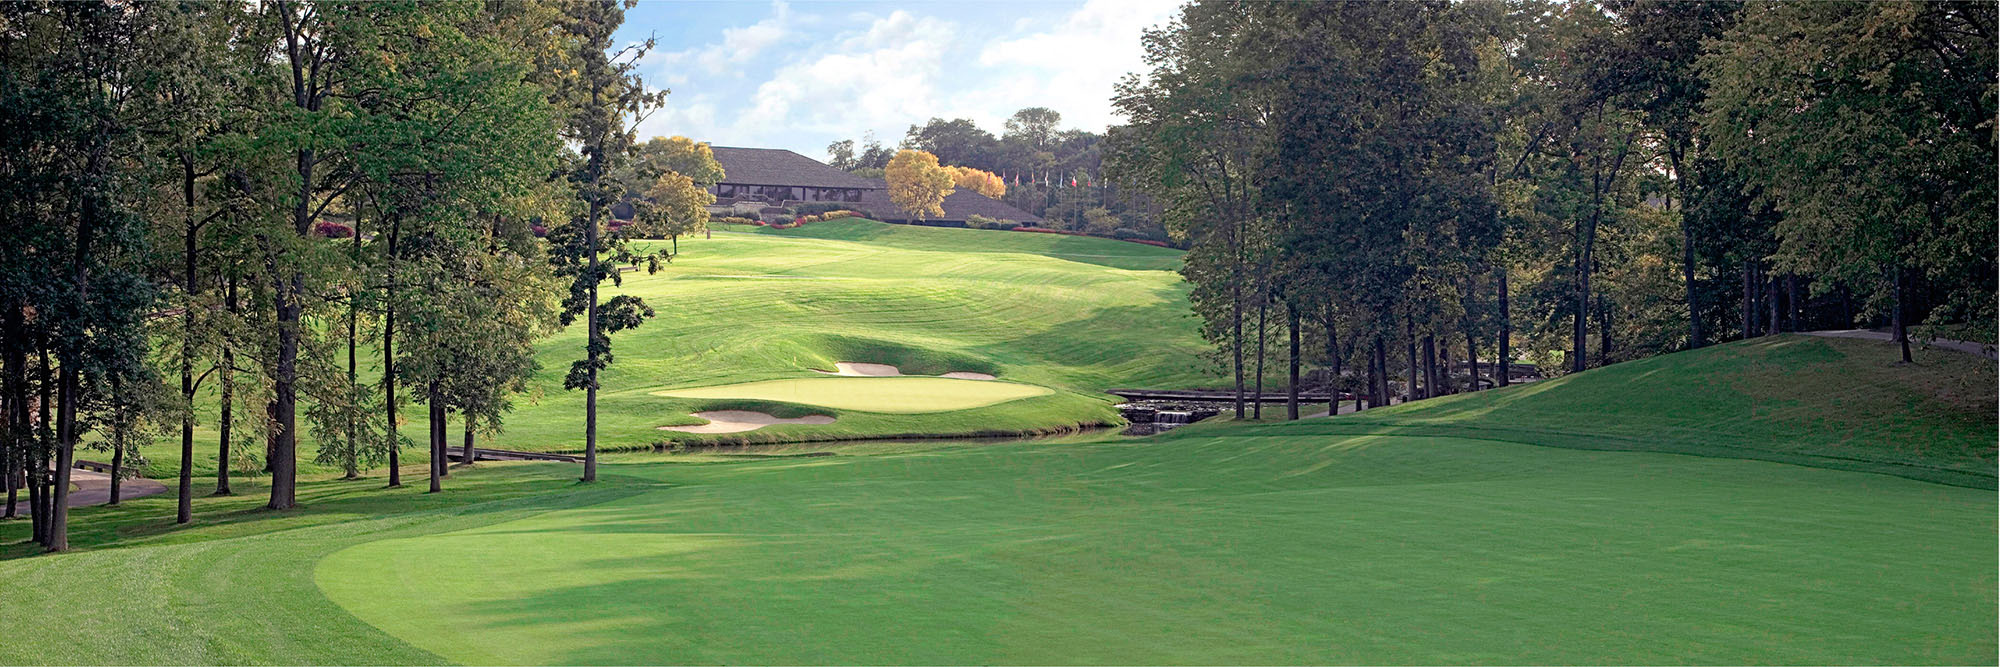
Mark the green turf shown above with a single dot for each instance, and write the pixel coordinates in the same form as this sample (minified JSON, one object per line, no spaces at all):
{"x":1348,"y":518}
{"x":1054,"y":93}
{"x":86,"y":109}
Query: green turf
{"x":1218,"y":549}
{"x":1072,"y":314}
{"x":1439,"y":532}
{"x":1827,"y":402}
{"x":901,"y":395}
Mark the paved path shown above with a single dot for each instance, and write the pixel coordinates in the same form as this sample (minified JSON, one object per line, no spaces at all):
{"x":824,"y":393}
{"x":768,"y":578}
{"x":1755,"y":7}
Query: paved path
{"x":1967,"y":347}
{"x":94,"y":488}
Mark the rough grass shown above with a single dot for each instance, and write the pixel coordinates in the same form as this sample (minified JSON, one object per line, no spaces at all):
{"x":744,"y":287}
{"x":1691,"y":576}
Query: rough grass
{"x":1826,"y":402}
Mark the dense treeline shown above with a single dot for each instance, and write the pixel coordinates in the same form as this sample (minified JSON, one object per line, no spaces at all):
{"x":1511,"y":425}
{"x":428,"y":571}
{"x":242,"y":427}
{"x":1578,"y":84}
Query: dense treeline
{"x":250,"y":201}
{"x":1391,"y":186}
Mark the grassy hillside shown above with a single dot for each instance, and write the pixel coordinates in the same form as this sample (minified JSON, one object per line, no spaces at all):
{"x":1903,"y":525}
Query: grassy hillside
{"x":1073,"y":315}
{"x":1824,"y":402}
{"x":1309,"y":542}
{"x":1077,"y":315}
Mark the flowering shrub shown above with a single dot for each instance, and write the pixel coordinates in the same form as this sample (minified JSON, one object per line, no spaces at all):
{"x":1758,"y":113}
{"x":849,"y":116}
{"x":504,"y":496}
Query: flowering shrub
{"x":758,"y":223}
{"x":539,"y":231}
{"x":332,"y":230}
{"x":1045,"y":230}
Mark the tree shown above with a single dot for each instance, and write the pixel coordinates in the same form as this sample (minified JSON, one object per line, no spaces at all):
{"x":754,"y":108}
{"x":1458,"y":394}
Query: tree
{"x":917,"y":184}
{"x":840,"y":155}
{"x":601,"y":98}
{"x":1198,"y":130}
{"x":672,"y":207}
{"x":957,"y":142}
{"x":1870,"y":127}
{"x":673,"y":175}
{"x":1034,"y":127}
{"x":983,"y":182}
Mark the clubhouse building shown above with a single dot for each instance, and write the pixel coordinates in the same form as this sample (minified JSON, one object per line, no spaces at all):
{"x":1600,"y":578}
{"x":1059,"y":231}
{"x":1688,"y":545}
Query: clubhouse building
{"x":756,"y":179}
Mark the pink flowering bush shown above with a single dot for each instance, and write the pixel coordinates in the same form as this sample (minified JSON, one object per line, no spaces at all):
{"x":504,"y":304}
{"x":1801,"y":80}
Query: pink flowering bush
{"x":332,"y":230}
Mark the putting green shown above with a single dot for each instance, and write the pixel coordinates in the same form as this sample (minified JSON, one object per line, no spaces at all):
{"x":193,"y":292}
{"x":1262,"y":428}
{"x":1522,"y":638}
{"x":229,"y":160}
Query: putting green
{"x":898,"y":395}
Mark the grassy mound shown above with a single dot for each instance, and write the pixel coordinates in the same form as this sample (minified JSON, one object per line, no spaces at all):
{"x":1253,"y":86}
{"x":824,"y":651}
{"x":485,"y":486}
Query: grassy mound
{"x":1824,"y":402}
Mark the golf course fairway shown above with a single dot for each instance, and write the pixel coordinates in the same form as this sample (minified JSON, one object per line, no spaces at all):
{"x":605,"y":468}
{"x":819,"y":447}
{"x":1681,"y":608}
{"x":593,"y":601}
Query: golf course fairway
{"x":904,"y":395}
{"x":1220,"y":549}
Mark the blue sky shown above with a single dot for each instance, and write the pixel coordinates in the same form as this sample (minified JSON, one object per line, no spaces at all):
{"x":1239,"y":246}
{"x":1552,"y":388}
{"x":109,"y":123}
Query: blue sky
{"x":799,"y":75}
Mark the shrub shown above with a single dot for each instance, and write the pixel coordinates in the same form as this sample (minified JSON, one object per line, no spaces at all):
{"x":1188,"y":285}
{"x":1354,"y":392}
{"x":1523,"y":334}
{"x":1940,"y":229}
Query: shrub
{"x":332,"y":230}
{"x":818,"y":208}
{"x":977,"y":221}
{"x":734,"y":220}
{"x":539,"y":231}
{"x":842,"y":213}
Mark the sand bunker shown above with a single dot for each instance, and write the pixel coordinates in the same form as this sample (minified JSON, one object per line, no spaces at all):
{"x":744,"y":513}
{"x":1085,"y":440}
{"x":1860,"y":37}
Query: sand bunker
{"x":857,"y":369}
{"x":738,"y":421}
{"x":863,"y":369}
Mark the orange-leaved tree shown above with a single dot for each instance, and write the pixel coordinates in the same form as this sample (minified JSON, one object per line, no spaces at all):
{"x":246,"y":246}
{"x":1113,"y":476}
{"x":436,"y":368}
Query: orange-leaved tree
{"x":979,"y":180}
{"x":917,"y":184}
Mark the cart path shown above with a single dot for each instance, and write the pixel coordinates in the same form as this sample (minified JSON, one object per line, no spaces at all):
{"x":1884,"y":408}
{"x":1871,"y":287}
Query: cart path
{"x":1968,"y":347}
{"x":94,"y":488}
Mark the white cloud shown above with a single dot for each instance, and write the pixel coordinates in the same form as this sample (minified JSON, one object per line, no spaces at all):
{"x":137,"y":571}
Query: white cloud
{"x":882,"y":73}
{"x":883,"y":77}
{"x":1072,"y":66}
{"x":739,"y":45}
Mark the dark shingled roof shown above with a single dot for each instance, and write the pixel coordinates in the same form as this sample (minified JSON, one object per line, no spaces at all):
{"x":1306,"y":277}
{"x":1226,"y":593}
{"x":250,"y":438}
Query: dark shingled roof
{"x":960,"y":205}
{"x":777,"y":166}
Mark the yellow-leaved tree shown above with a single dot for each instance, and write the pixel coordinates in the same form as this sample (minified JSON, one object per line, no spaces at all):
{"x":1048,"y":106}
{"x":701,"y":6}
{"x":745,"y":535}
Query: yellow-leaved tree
{"x":673,"y":206}
{"x":917,"y":184}
{"x":979,"y":180}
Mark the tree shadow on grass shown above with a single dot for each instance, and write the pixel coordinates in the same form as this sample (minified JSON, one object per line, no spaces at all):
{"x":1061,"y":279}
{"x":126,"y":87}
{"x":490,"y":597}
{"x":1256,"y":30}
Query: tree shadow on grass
{"x":149,"y":521}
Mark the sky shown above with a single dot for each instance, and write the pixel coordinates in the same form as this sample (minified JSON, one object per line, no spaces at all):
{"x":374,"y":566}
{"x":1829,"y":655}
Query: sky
{"x":802,"y":74}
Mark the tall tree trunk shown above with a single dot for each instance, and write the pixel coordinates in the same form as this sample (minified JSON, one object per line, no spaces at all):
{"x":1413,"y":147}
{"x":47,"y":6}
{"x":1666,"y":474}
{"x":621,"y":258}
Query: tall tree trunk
{"x":1771,"y":305}
{"x":469,"y":454}
{"x":1236,"y":323}
{"x":1898,"y":323}
{"x":389,"y":353}
{"x":350,"y":460}
{"x":117,"y":461}
{"x":228,"y":380}
{"x":1410,"y":335}
{"x":1292,"y":362}
{"x":1603,"y":331}
{"x":1379,"y":375}
{"x":191,"y":231}
{"x":1696,"y":336}
{"x":45,"y":427}
{"x":435,"y":403}
{"x":66,"y":438}
{"x":1749,"y":299}
{"x":19,"y":433}
{"x":1504,"y":366}
{"x":1257,"y":406}
{"x":1430,"y":367}
{"x":590,"y":387}
{"x":1333,"y":363}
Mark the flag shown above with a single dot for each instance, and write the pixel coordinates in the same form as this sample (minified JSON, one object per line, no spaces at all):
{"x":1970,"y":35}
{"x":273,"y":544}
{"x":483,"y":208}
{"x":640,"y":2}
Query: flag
{"x":1072,"y":181}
